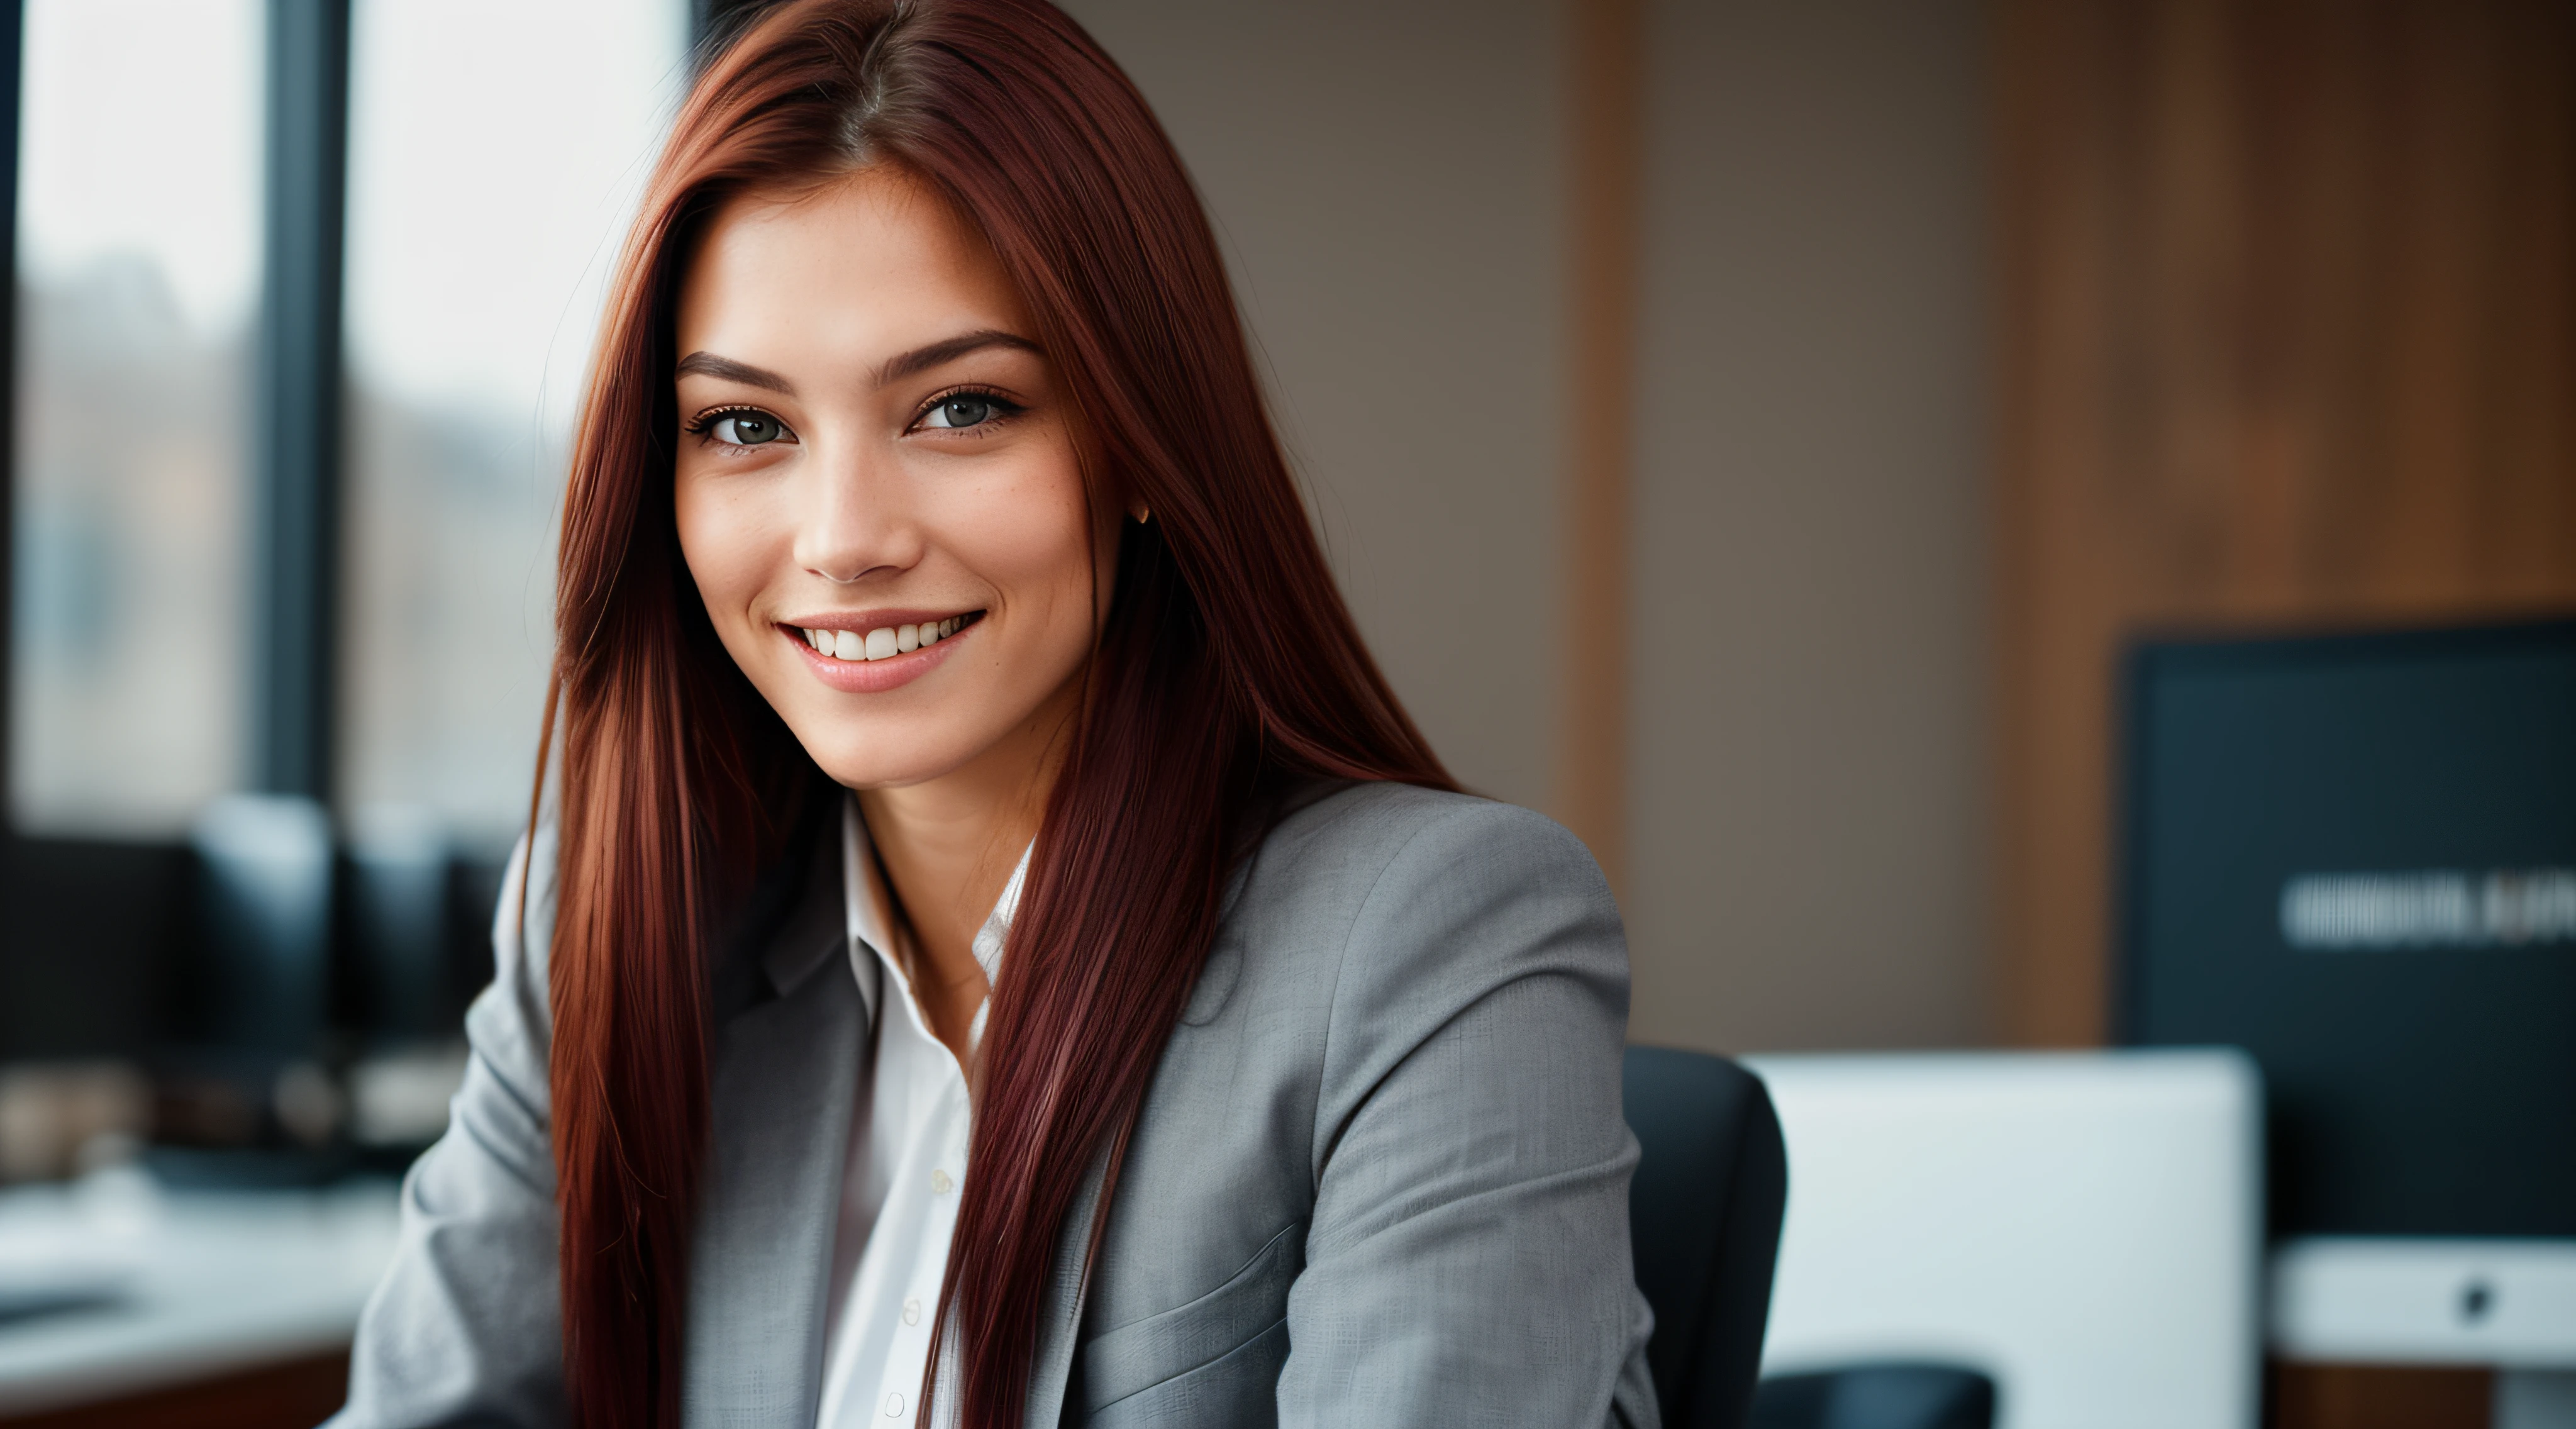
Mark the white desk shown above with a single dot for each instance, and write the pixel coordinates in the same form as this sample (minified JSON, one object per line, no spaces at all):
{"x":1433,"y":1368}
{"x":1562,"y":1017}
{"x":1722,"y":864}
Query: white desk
{"x":206,"y":1283}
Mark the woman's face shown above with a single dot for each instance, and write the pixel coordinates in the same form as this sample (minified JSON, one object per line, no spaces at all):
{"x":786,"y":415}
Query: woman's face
{"x":878,"y":492}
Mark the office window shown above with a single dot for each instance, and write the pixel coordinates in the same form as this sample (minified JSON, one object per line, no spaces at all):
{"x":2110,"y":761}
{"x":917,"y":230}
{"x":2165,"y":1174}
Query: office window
{"x":495,"y":151}
{"x":138,"y":264}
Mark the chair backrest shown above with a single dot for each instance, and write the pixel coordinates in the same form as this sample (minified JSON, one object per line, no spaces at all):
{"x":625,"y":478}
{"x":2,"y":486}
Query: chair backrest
{"x":1704,"y":1225}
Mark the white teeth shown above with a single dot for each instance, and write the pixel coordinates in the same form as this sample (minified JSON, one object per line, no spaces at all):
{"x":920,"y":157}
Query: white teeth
{"x":883,"y":643}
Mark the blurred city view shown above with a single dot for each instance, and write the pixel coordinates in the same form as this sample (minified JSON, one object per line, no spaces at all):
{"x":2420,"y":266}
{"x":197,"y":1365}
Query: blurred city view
{"x":473,"y":276}
{"x":130,"y":549}
{"x":138,"y":269}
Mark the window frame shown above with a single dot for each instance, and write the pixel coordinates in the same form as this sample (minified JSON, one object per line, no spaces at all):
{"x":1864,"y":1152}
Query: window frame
{"x":298,"y":467}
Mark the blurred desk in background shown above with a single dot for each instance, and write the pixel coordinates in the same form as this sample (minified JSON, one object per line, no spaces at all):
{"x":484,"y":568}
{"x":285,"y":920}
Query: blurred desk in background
{"x":123,"y":1303}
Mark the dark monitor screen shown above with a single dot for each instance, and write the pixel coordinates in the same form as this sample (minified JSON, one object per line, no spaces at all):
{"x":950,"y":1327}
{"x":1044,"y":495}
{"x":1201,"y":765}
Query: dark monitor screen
{"x":2355,"y":857}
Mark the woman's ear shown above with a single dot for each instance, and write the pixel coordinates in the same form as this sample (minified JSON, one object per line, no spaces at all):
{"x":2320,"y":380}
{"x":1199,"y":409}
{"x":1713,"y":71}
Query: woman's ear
{"x":1141,"y":512}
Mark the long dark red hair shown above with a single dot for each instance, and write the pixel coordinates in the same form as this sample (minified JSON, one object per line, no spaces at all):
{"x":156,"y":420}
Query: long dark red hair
{"x":1227,"y":667}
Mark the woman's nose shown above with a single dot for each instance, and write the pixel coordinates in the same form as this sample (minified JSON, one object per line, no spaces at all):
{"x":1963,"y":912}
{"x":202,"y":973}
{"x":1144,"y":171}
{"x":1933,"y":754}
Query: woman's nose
{"x":852,"y":521}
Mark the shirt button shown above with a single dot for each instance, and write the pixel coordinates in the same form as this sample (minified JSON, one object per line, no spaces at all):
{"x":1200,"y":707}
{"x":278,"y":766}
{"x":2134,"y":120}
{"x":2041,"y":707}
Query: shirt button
{"x":940,"y":1185}
{"x":912,"y":1312}
{"x":894,"y":1406}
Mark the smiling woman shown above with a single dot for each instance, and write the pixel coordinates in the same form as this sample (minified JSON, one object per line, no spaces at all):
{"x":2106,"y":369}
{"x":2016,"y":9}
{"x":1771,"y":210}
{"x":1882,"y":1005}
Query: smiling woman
{"x":998,"y":954}
{"x":909,"y":463}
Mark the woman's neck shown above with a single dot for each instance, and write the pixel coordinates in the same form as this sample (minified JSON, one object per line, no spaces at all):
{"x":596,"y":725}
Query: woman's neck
{"x":948,"y":847}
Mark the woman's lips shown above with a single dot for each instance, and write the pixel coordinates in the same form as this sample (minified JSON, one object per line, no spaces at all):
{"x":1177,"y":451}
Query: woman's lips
{"x":862,"y":675}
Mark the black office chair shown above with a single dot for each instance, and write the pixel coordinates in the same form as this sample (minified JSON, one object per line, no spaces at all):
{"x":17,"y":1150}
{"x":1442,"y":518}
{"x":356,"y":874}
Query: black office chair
{"x":1704,"y":1226}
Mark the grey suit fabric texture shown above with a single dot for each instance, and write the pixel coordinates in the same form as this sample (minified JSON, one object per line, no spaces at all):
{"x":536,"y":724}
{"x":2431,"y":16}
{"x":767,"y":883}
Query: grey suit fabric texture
{"x":1380,"y":1177}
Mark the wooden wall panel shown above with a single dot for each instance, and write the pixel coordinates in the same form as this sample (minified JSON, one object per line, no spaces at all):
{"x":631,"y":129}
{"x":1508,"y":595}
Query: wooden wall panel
{"x":2289,"y":341}
{"x":1606,"y":80}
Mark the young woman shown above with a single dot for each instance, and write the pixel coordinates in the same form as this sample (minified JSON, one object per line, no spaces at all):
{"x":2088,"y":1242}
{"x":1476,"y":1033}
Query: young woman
{"x":997,"y":952}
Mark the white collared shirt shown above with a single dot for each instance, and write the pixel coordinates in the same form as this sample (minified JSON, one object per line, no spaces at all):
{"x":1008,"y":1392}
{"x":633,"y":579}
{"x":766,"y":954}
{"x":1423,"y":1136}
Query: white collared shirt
{"x":907,"y":1165}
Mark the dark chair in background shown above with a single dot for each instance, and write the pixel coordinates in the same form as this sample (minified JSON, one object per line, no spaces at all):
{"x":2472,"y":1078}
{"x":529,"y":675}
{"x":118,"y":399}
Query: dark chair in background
{"x":1704,"y":1225}
{"x":1876,"y":1396}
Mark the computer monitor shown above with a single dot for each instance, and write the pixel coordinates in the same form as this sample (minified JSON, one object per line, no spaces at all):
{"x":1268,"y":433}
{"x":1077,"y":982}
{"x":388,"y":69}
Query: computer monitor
{"x":2083,"y":1228}
{"x":2354,"y":856}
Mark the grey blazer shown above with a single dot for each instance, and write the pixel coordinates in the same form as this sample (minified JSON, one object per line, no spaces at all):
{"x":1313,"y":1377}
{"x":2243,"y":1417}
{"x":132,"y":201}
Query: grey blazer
{"x":1381,"y":1175}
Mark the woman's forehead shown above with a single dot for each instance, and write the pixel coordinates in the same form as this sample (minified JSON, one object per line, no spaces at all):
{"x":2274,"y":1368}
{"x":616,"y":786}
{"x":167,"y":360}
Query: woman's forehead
{"x":871,"y":259}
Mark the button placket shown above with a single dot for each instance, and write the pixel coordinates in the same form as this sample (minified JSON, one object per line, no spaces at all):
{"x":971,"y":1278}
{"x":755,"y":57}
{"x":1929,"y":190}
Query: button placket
{"x":928,"y":1098}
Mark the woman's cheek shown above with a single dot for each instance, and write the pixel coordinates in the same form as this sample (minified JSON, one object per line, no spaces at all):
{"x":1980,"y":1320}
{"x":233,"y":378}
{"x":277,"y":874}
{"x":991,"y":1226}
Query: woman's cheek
{"x":721,"y":541}
{"x":1029,"y":537}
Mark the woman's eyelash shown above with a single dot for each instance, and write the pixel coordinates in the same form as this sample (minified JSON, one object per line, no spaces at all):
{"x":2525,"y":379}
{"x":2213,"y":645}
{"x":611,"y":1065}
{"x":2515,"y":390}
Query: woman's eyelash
{"x":1003,"y":407}
{"x":705,"y":422}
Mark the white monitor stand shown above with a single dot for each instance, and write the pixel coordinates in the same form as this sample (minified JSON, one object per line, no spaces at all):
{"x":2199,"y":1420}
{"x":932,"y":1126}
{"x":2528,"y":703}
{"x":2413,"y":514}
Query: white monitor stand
{"x":2510,"y":1304}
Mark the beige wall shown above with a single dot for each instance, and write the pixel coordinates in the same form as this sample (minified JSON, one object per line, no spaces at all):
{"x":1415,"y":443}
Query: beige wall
{"x":1383,"y":175}
{"x":1808,"y":805}
{"x":1809,"y":800}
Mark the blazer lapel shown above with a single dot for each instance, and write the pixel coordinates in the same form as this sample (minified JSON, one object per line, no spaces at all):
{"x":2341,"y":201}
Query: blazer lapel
{"x":786,"y":1081}
{"x":786,"y":1075}
{"x":1060,"y":1319}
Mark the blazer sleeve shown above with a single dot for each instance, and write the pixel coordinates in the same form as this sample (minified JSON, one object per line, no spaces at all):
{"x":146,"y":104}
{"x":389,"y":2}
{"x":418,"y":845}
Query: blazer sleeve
{"x":1468,"y":1259}
{"x":465,"y":1328}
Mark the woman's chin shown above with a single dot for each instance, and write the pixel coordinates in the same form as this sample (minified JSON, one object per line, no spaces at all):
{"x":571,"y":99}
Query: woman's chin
{"x":858,"y":768}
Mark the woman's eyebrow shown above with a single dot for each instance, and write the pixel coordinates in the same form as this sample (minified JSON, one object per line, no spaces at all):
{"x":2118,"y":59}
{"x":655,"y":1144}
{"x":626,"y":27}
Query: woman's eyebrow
{"x":922,"y":359}
{"x":894,"y":369}
{"x":709,"y":365}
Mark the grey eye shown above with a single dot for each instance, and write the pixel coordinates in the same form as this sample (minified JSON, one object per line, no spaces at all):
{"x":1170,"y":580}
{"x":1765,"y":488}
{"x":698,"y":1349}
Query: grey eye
{"x":747,"y":429}
{"x":966,"y":409}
